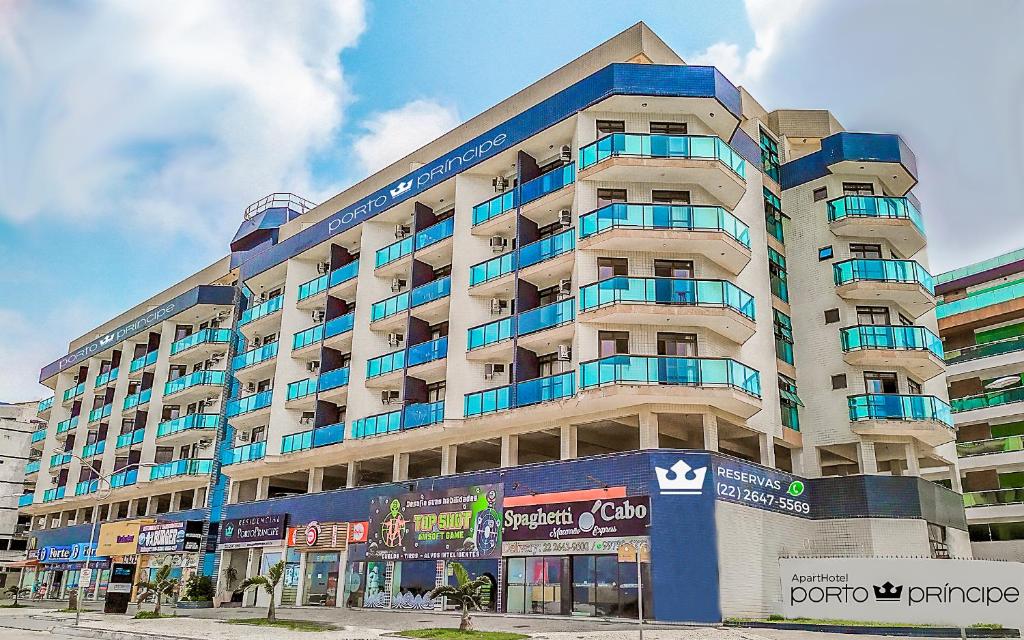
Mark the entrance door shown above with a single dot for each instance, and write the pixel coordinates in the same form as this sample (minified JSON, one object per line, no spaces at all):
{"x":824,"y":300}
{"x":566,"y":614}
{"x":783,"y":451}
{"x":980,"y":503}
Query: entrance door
{"x":538,"y":585}
{"x":321,"y":580}
{"x":268,"y":560}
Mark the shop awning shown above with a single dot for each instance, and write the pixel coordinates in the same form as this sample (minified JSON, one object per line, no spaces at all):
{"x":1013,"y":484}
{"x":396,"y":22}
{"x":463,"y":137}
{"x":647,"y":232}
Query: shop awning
{"x":20,"y":564}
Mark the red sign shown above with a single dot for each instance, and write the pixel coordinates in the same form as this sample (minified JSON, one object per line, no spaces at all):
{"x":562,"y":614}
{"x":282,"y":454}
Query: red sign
{"x":358,"y":531}
{"x":312,"y":533}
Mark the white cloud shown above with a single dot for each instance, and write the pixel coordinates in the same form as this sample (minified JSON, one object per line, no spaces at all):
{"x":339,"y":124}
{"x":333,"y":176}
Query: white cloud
{"x":176,"y":114}
{"x":391,"y":135}
{"x":947,"y":76}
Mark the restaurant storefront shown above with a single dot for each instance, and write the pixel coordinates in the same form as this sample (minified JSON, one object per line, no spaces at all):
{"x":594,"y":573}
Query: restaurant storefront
{"x":251,"y":546}
{"x":320,"y":547}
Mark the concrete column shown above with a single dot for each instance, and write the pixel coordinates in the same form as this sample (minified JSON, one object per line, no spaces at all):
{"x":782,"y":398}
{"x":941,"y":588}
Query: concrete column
{"x":896,"y":468}
{"x":176,"y":501}
{"x":866,"y":457}
{"x":449,"y":452}
{"x":316,"y":480}
{"x":151,"y":506}
{"x":232,"y":492}
{"x":766,"y":442}
{"x":252,"y":568}
{"x":351,"y":480}
{"x":262,"y":487}
{"x":568,"y":441}
{"x":710,"y":432}
{"x":132,"y":505}
{"x":807,"y":462}
{"x":509,"y":451}
{"x":954,"y":479}
{"x":199,"y":498}
{"x":913,"y":465}
{"x":648,"y":430}
{"x":96,"y":513}
{"x":400,"y":467}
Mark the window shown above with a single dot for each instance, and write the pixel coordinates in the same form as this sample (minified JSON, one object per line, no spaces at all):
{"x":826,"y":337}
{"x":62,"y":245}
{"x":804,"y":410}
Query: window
{"x":858,"y":189}
{"x":669,"y":128}
{"x":604,"y":127}
{"x":788,"y":403}
{"x":839,"y":381}
{"x":606,"y":197}
{"x":831,"y":316}
{"x":610,"y":343}
{"x":439,"y":330}
{"x":937,"y":541}
{"x":866,"y":251}
{"x":769,"y":156}
{"x":435,"y":391}
{"x":545,"y":296}
{"x":546,"y":364}
{"x":825,"y":253}
{"x":611,"y":267}
{"x":673,"y":268}
{"x":820,"y":194}
{"x":905,"y":321}
{"x":182,"y":330}
{"x":777,"y":269}
{"x":880,"y":382}
{"x":783,"y":336}
{"x":677,"y":344}
{"x":878,"y":316}
{"x":914,"y":387}
{"x":773,"y":214}
{"x":264,"y":385}
{"x":660,"y":196}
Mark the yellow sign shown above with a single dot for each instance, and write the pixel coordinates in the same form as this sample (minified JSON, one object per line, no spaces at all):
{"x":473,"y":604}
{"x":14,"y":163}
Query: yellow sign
{"x":120,"y":538}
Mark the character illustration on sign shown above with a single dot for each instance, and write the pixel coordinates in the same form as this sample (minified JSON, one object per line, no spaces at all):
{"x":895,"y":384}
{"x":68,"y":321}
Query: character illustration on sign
{"x":395,"y":526}
{"x":488,"y":525}
{"x":374,"y":597}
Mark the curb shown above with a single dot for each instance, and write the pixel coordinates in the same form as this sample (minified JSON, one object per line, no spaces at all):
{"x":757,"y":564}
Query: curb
{"x":108,"y":634}
{"x":907,"y":632}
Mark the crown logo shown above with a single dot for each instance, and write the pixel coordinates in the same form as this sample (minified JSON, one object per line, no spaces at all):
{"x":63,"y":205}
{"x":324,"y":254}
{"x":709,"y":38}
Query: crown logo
{"x":401,"y":188}
{"x":888,"y":592}
{"x":107,"y":338}
{"x":681,"y":479}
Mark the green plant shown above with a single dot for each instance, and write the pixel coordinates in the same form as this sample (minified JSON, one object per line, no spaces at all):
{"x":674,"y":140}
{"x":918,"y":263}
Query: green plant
{"x":465,"y":593}
{"x":161,"y":585}
{"x":269,"y":584}
{"x":149,"y":615}
{"x":198,"y":588}
{"x":16,"y":592}
{"x":231,"y":577}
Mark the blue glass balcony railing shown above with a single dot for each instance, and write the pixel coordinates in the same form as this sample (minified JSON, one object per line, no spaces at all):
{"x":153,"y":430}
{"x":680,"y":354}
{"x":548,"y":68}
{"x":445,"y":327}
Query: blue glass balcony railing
{"x":44,"y":404}
{"x":493,"y":400}
{"x":988,"y":399}
{"x":67,"y":425}
{"x":547,"y":248}
{"x":25,"y":499}
{"x":670,"y":370}
{"x":74,"y":391}
{"x":987,"y":297}
{"x":549,"y":316}
{"x":313,"y":287}
{"x":99,"y":413}
{"x":248,"y":404}
{"x":893,"y":406}
{"x":642,"y":145}
{"x":263,"y":309}
{"x":494,"y":207}
{"x":60,"y":459}
{"x":306,"y":337}
{"x":377,"y":425}
{"x":85,"y":487}
{"x":195,"y":379}
{"x":105,"y":378}
{"x":255,"y":356}
{"x":124,"y":478}
{"x":908,"y":271}
{"x":39,"y":435}
{"x":1005,"y":444}
{"x":985,"y":350}
{"x":143,"y":361}
{"x":435,"y":233}
{"x":57,"y":493}
{"x":187,"y":422}
{"x":313,"y":438}
{"x":344,"y":273}
{"x":333,"y":379}
{"x":429,"y":351}
{"x":393,"y":252}
{"x":339,"y":325}
{"x":492,"y":269}
{"x":203,"y":336}
{"x":183,"y":467}
{"x":32,"y":466}
{"x":874,"y":207}
{"x":549,"y":182}
{"x":621,"y":215}
{"x":245,"y":453}
{"x":423,"y":414}
{"x":385,"y":364}
{"x":301,"y":388}
{"x":389,"y":307}
{"x":527,"y":393}
{"x":899,"y":338}
{"x":667,"y":291}
{"x":129,"y":439}
{"x":491,"y":333}
{"x":94,"y":449}
{"x":434,"y":290}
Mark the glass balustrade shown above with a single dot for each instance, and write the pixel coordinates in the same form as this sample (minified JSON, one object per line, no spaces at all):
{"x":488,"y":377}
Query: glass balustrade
{"x":423,"y":414}
{"x":874,"y":207}
{"x":435,"y":290}
{"x":67,"y":425}
{"x":203,"y":336}
{"x":385,"y":364}
{"x":32,"y":466}
{"x":301,"y":388}
{"x":377,"y":425}
{"x":547,"y":317}
{"x":389,"y":307}
{"x":56,"y":493}
{"x":668,"y":291}
{"x":248,"y":404}
{"x":994,"y":497}
{"x":313,"y":287}
{"x":435,"y":233}
{"x":105,"y":378}
{"x":187,"y":422}
{"x":1005,"y":444}
{"x":547,"y":248}
{"x":60,"y":459}
{"x":313,"y":438}
{"x":100,"y":412}
{"x":39,"y":435}
{"x":491,"y":333}
{"x":183,"y":467}
{"x":494,"y":207}
{"x":988,"y":399}
{"x":900,"y":338}
{"x":44,"y":404}
{"x":393,"y":252}
{"x":429,"y":351}
{"x":245,"y":453}
{"x":143,"y":361}
{"x":905,"y":271}
{"x":487,"y":401}
{"x":492,"y":269}
{"x":257,"y":355}
{"x":129,"y":439}
{"x":670,"y":370}
{"x":25,"y":499}
{"x":333,"y":379}
{"x":985,"y":350}
{"x":94,"y":449}
{"x":75,"y":391}
{"x":124,"y":478}
{"x":261,"y":310}
{"x":339,"y":325}
{"x":344,"y":273}
{"x":546,"y":183}
{"x":195,"y":379}
{"x":894,"y":406}
{"x":622,"y":215}
{"x":980,"y":299}
{"x":642,"y":145}
{"x":86,"y":487}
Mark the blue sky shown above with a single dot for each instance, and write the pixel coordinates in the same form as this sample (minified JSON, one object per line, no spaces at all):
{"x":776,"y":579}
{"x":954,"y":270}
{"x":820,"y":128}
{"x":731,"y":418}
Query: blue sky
{"x":133,"y":142}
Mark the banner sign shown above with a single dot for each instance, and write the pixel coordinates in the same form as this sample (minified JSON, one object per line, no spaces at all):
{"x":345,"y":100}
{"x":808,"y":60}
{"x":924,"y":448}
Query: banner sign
{"x":755,"y":486}
{"x":904,"y":590}
{"x":450,"y":524}
{"x":257,"y":531}
{"x":68,"y":553}
{"x":120,"y":538}
{"x":615,"y":517}
{"x":171,"y":537}
{"x":319,"y":536}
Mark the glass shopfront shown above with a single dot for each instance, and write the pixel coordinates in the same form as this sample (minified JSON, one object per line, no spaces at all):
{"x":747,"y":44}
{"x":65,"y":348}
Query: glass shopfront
{"x":290,"y":579}
{"x":581,"y":585}
{"x":320,"y":585}
{"x":538,"y":585}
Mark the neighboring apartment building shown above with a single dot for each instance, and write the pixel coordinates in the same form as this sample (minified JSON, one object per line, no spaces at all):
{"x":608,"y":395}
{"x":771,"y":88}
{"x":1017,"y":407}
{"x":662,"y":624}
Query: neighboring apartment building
{"x":17,"y":422}
{"x":981,"y":321}
{"x":622,"y":281}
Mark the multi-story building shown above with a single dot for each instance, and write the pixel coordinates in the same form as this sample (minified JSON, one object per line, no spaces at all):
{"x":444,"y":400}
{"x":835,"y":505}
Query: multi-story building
{"x":622,"y":280}
{"x":17,"y":422}
{"x":981,"y":321}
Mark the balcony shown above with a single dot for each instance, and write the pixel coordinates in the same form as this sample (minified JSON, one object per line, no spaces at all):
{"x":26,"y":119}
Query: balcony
{"x":378,"y":425}
{"x":251,"y":360}
{"x":60,"y":459}
{"x":44,"y":406}
{"x":245,"y":453}
{"x":32,"y":466}
{"x":140,"y":363}
{"x":85,"y":487}
{"x":186,"y":427}
{"x":427,"y":357}
{"x":250,"y":410}
{"x":299,"y":391}
{"x":1007,"y":444}
{"x":904,"y":282}
{"x":179,"y":468}
{"x":424,"y":414}
{"x":894,"y":219}
{"x":130,"y":439}
{"x":425,"y":297}
{"x":492,"y":276}
{"x":717,"y":382}
{"x":994,"y":497}
{"x":915,"y":349}
{"x":253,"y":317}
{"x":711,"y":232}
{"x":99,"y":413}
{"x":94,"y":449}
{"x":716,"y":305}
{"x":124,"y":478}
{"x":331,"y":386}
{"x":338,"y":332}
{"x":308,"y":296}
{"x":342,"y":282}
{"x":25,"y":500}
{"x":314,"y":438}
{"x":926,"y":418}
{"x":548,"y":256}
{"x":989,"y":405}
{"x":706,"y":161}
{"x":487,"y":216}
{"x":57,"y":493}
{"x":39,"y":435}
{"x":526,"y":393}
{"x":195,"y":386}
{"x":67,"y":425}
{"x":74,"y":392}
{"x":544,"y":325}
{"x":379,"y":369}
{"x":997,"y":354}
{"x":389,"y":260}
{"x":199,"y":346}
{"x":106,"y":378}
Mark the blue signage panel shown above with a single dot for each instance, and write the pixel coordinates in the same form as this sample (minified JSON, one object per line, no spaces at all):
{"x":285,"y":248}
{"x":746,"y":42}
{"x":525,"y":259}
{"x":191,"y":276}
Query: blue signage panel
{"x":752,"y":485}
{"x":79,"y":552}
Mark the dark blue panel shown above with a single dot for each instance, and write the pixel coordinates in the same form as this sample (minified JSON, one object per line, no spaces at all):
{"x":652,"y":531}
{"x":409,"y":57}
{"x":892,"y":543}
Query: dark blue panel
{"x":746,"y":147}
{"x":64,"y":536}
{"x":849,"y":146}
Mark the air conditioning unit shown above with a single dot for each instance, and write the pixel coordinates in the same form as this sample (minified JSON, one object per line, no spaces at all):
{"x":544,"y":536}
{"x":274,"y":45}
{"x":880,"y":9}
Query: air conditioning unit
{"x":498,"y":306}
{"x":313,"y":366}
{"x":565,"y":153}
{"x":389,"y":396}
{"x":243,"y":436}
{"x":319,"y":315}
{"x":74,"y":379}
{"x":395,"y":339}
{"x":250,"y":387}
{"x":564,"y":352}
{"x":221,"y":315}
{"x":262,"y":297}
{"x":498,"y":244}
{"x":492,"y":369}
{"x":204,"y":444}
{"x":256,"y":341}
{"x":217,"y":357}
{"x":402,"y":230}
{"x":500,"y":184}
{"x":565,"y":217}
{"x":564,"y":288}
{"x":306,"y":420}
{"x":323,"y":267}
{"x":212,"y":400}
{"x":397,"y":284}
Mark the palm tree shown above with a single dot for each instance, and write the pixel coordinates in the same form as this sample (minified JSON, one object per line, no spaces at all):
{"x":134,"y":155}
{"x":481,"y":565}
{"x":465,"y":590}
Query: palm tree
{"x":466,"y":593}
{"x":269,"y":584}
{"x":162,"y":585}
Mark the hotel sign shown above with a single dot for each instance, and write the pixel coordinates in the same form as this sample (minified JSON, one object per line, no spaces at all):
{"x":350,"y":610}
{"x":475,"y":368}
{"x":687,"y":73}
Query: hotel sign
{"x":257,"y":531}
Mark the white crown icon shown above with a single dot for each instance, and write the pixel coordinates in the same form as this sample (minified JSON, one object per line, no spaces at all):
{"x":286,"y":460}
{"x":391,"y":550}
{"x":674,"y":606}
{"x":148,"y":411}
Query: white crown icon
{"x":680,"y":484}
{"x":107,"y":338}
{"x":401,"y":188}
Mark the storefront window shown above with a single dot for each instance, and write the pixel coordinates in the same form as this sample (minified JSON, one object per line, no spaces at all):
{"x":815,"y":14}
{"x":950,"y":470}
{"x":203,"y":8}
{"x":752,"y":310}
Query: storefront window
{"x":354,"y":584}
{"x":321,"y":581}
{"x":476,"y":569}
{"x":535,"y":585}
{"x":290,"y":580}
{"x":413,"y":580}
